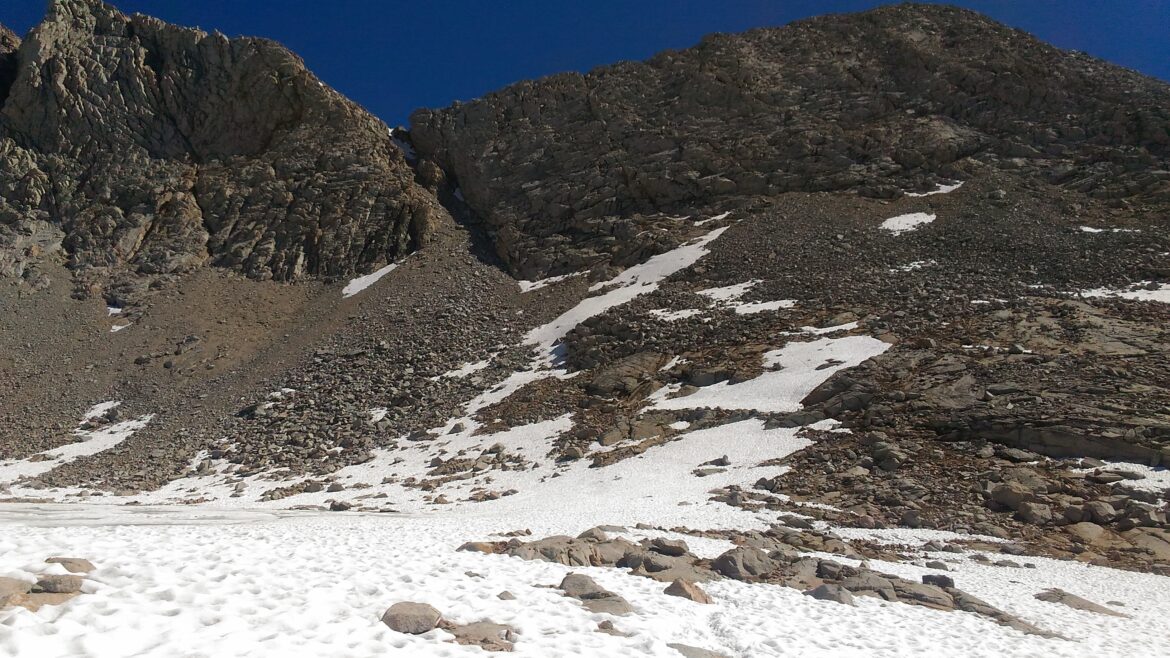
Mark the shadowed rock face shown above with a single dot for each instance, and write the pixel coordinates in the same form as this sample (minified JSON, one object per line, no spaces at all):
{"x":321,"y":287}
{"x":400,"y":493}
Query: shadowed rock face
{"x":876,"y":103}
{"x":145,"y":148}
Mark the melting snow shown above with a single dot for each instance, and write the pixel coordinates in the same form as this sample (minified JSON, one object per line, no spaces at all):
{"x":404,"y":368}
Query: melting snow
{"x":729,"y":293}
{"x":916,"y":265}
{"x":728,"y":296}
{"x":907,"y":222}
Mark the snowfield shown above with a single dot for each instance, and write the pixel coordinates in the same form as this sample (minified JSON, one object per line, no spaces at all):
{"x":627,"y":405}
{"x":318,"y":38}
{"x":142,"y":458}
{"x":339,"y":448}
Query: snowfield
{"x":211,"y":565}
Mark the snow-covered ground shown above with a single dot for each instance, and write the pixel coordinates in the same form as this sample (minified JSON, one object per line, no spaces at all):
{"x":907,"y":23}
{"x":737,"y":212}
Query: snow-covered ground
{"x":242,"y":574}
{"x":199,"y":582}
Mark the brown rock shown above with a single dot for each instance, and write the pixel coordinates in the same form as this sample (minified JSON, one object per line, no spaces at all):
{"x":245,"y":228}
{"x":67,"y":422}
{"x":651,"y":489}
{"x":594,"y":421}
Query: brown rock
{"x":687,"y":590}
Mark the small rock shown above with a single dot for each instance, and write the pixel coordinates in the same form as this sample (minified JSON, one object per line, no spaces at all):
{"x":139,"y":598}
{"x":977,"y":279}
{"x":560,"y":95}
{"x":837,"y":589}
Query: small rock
{"x":938,"y":580}
{"x":687,"y":590}
{"x":72,"y":564}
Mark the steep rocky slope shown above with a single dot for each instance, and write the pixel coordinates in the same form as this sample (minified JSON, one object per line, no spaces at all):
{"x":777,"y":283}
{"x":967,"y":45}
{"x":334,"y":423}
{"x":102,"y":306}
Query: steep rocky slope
{"x":958,"y":229}
{"x":133,"y":147}
{"x":873,"y":103}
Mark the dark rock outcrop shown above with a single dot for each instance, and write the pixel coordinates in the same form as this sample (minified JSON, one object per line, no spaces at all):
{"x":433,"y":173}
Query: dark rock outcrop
{"x":154,"y":150}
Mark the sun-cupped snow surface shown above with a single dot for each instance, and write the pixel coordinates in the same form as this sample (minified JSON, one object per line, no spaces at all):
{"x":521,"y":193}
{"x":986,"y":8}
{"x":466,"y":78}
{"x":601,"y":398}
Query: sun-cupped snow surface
{"x":88,"y":442}
{"x":1146,"y":291}
{"x":362,"y":282}
{"x":908,"y":222}
{"x":186,"y":582}
{"x":941,"y":189}
{"x":799,"y":368}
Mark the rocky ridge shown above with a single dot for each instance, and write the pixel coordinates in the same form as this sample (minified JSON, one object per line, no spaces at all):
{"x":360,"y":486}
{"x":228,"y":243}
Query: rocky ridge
{"x":131,"y":149}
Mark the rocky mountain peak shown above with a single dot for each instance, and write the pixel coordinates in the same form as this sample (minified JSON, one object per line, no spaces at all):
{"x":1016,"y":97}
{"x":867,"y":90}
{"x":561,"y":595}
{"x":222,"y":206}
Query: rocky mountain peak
{"x":132,"y":149}
{"x":874,"y":104}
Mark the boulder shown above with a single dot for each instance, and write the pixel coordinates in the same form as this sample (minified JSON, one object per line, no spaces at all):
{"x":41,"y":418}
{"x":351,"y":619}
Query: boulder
{"x":743,"y":563}
{"x":1057,"y":595}
{"x":411,"y":618}
{"x":828,"y":592}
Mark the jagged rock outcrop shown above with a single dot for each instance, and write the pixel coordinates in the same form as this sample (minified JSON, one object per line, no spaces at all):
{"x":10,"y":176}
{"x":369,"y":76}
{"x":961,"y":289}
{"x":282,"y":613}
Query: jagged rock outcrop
{"x":146,"y":148}
{"x":877,"y":103}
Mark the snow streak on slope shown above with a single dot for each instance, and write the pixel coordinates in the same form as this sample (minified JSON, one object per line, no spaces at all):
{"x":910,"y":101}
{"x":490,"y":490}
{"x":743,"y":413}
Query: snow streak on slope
{"x":89,"y":442}
{"x":632,"y":282}
{"x":362,"y":282}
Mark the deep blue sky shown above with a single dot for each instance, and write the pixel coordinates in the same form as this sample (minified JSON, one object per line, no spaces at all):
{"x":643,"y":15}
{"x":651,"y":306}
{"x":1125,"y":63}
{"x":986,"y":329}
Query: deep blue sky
{"x":394,"y":56}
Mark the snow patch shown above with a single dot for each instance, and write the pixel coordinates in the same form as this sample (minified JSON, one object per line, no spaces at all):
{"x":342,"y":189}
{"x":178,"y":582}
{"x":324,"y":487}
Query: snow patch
{"x":529,"y":286}
{"x":941,"y":189}
{"x":908,"y":222}
{"x":1146,"y":291}
{"x":89,"y":442}
{"x":362,"y":282}
{"x":798,"y":369}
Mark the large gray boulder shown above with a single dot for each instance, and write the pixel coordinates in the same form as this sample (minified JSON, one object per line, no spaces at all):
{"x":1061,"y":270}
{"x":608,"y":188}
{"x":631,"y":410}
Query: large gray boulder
{"x":411,"y":618}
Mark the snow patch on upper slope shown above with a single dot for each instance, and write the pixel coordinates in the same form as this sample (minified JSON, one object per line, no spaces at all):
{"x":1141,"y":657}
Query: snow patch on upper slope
{"x":362,"y":282}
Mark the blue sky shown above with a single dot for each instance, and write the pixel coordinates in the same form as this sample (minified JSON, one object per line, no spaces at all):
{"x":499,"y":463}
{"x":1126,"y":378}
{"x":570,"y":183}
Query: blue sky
{"x":394,"y":56}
